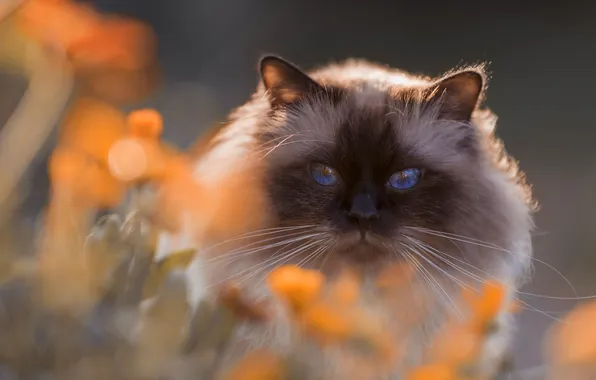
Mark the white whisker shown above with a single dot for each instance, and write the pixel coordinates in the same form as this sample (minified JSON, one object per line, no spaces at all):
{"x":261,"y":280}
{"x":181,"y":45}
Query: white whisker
{"x":283,"y":259}
{"x":242,"y":252}
{"x":437,"y":253}
{"x":434,"y":252}
{"x":255,"y":269}
{"x":467,"y":240}
{"x":441,"y":292}
{"x":257,"y":233}
{"x":313,"y":254}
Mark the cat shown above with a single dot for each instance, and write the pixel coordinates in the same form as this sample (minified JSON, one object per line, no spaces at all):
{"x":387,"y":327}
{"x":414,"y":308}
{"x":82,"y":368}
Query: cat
{"x":359,"y":164}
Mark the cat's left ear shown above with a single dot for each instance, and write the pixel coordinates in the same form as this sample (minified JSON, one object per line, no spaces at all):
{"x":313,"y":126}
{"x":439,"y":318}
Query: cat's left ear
{"x":285,"y":83}
{"x":458,"y":94}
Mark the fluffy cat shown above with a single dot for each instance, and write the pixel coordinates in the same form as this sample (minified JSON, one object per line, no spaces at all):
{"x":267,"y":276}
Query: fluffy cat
{"x":363,"y":165}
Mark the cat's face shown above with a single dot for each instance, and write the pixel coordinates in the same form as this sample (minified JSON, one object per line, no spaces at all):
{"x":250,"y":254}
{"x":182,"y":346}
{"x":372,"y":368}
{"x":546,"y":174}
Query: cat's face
{"x":362,"y":185}
{"x":380,"y":173}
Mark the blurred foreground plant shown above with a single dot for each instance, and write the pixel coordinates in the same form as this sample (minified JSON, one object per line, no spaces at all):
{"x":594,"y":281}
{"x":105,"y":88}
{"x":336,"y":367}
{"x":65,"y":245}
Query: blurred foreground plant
{"x":93,"y":302}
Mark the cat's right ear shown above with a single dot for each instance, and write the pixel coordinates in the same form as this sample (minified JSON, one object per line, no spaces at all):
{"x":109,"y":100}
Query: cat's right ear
{"x":458,"y":94}
{"x":285,"y":83}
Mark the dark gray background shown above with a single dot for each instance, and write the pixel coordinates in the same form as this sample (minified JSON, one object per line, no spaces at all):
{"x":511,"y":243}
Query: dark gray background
{"x":542,"y":59}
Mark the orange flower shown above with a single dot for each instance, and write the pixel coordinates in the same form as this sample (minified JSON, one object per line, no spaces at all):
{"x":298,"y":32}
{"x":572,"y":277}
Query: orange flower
{"x":434,"y":372}
{"x":135,"y":159}
{"x":326,"y":324}
{"x":145,"y":123}
{"x":91,"y":127}
{"x":141,"y":156}
{"x":113,"y":58}
{"x":258,"y":365}
{"x":78,"y":166}
{"x":90,"y":40}
{"x":460,"y":344}
{"x":121,"y":86}
{"x":117,"y":43}
{"x":57,"y":24}
{"x":231,"y":298}
{"x":345,"y":290}
{"x":334,"y":318}
{"x":455,"y":345}
{"x":84,"y":180}
{"x":574,"y":340}
{"x":299,"y":287}
{"x":103,"y":151}
{"x":486,"y":306}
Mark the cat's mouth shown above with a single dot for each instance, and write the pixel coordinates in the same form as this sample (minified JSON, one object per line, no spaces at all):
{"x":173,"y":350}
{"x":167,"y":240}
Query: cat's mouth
{"x":361,"y":246}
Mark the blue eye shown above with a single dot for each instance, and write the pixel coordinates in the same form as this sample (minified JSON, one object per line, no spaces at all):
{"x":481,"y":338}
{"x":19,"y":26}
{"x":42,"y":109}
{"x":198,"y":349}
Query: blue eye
{"x":324,"y":175}
{"x":405,"y":179}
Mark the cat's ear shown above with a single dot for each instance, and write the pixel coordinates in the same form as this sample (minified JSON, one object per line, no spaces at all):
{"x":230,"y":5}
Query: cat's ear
{"x":285,"y":83}
{"x":459,"y":94}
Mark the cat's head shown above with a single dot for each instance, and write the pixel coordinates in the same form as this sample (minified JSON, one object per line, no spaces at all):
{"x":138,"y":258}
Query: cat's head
{"x":378,"y":166}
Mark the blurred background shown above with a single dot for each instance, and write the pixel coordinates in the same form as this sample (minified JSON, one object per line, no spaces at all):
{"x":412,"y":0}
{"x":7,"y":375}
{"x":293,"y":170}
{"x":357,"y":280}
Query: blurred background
{"x":542,"y":62}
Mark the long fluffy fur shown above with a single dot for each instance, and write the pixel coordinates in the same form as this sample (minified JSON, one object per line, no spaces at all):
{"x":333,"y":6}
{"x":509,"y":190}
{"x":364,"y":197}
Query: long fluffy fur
{"x":238,"y":165}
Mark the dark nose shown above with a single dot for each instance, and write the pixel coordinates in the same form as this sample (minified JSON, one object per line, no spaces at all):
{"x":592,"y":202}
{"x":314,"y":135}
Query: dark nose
{"x":363,"y":208}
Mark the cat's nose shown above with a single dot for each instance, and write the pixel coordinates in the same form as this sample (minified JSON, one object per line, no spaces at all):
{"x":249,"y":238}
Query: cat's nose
{"x":363,"y":208}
